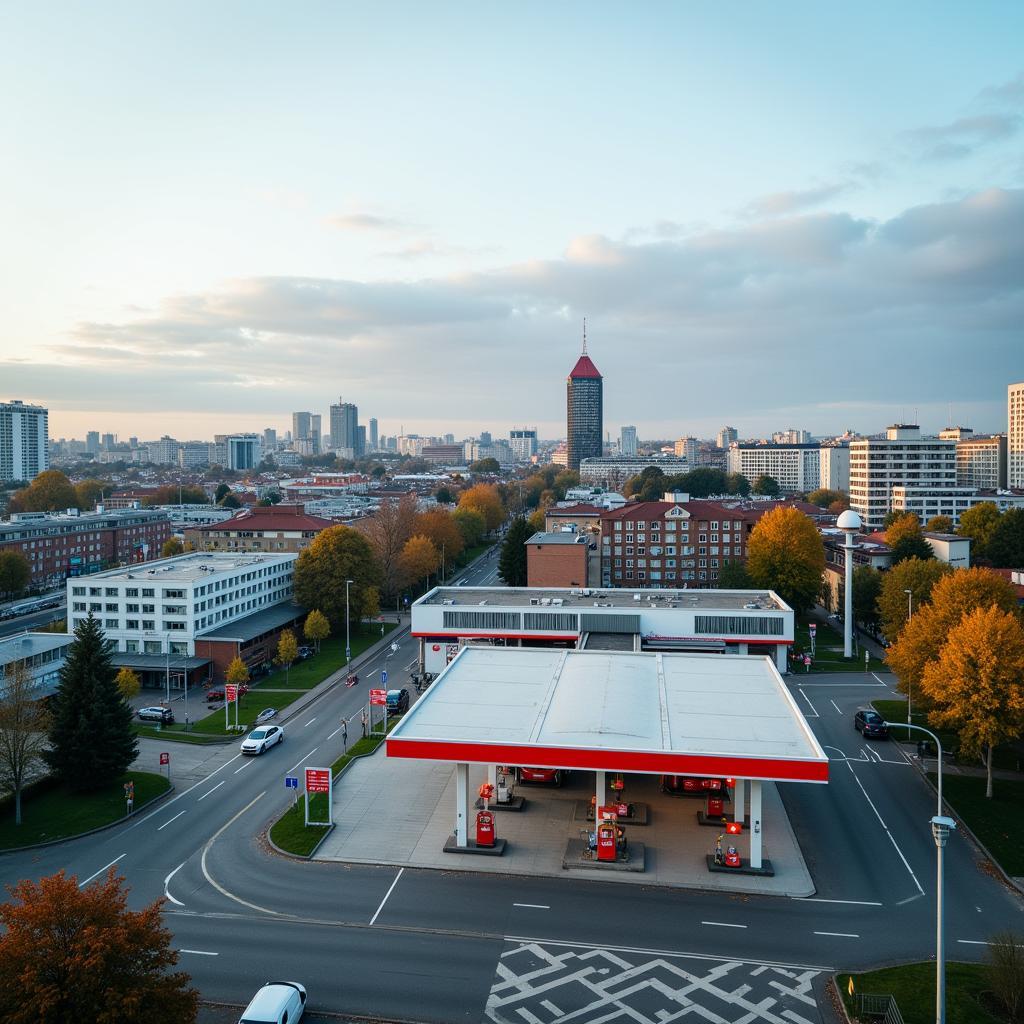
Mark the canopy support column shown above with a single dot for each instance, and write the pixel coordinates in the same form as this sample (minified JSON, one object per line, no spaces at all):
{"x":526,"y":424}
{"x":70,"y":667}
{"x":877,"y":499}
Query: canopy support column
{"x":462,"y":805}
{"x":739,"y":801}
{"x":599,"y":791}
{"x":755,"y":823}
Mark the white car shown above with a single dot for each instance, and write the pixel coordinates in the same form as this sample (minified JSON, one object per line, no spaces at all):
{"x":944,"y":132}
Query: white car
{"x":262,"y":739}
{"x":266,"y":715}
{"x":278,"y":1002}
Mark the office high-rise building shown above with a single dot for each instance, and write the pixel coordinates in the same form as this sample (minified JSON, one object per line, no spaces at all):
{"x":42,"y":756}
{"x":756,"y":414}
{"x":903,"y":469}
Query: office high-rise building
{"x":316,"y":435}
{"x":485,"y":438}
{"x":523,"y":444}
{"x":24,"y":441}
{"x":243,"y":451}
{"x":360,"y":440}
{"x":92,"y":441}
{"x":627,"y":441}
{"x":1015,"y":434}
{"x":107,"y":442}
{"x":269,"y":439}
{"x":584,"y":406}
{"x":726,"y":436}
{"x":374,"y":436}
{"x":300,"y":426}
{"x":345,"y":427}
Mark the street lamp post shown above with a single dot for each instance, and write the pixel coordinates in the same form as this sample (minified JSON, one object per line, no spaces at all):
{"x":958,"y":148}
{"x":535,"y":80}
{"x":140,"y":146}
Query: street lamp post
{"x":910,"y":615}
{"x":849,"y":522}
{"x":942,"y":825}
{"x":348,"y":645}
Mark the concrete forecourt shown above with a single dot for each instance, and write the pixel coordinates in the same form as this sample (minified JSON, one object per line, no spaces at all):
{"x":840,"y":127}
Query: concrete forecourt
{"x":411,"y":943}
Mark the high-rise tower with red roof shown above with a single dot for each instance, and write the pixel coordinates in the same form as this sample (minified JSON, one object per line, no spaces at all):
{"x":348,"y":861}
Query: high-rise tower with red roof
{"x":584,"y":409}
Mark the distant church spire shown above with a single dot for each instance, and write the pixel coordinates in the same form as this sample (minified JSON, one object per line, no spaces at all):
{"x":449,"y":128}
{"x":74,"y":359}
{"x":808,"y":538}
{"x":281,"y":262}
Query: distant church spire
{"x":584,"y":335}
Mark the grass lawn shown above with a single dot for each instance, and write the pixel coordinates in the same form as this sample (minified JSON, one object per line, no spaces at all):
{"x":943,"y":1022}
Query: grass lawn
{"x":998,"y":823}
{"x":913,"y":987}
{"x":56,"y":813}
{"x":828,"y":651}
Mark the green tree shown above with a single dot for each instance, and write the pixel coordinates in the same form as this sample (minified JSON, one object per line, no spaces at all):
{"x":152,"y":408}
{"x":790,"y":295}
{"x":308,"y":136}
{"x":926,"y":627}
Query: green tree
{"x":171,"y":547}
{"x":563,"y":481}
{"x":230,"y":501}
{"x":701,"y":482}
{"x":939,"y":524}
{"x":237,"y":673}
{"x":867,"y":586}
{"x":737,"y":483}
{"x":823,"y":497}
{"x":537,"y":520}
{"x":287,"y":651}
{"x":73,"y":953}
{"x":734,"y":576}
{"x":648,"y":486}
{"x":918,"y":576}
{"x":221,"y":493}
{"x":444,"y":496}
{"x":905,"y":539}
{"x":128,"y":682}
{"x":978,"y":523}
{"x":92,"y":742}
{"x":1006,"y":544}
{"x":51,"y":491}
{"x":15,"y":572}
{"x":786,"y":554}
{"x":489,"y":466}
{"x":767,"y":485}
{"x":512,"y":560}
{"x":24,"y":723}
{"x":176,"y":494}
{"x":317,"y":628}
{"x":335,"y":555}
{"x":471,"y":524}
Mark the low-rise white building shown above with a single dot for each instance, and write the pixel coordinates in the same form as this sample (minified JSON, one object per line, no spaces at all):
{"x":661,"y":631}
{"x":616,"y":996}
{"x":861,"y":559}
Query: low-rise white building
{"x":926,"y":502}
{"x":795,"y":467}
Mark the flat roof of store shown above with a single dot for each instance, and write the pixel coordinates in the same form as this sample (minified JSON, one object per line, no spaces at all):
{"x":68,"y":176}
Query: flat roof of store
{"x":196,"y":565}
{"x":517,"y":597}
{"x":256,"y":624}
{"x":679,"y":714}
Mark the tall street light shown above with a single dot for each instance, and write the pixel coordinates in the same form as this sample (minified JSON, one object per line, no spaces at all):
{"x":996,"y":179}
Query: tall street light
{"x":942,"y":825}
{"x":910,"y":615}
{"x":348,"y":645}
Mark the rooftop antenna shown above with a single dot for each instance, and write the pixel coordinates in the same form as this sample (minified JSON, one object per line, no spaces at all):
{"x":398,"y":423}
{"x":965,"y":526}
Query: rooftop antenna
{"x":584,"y":335}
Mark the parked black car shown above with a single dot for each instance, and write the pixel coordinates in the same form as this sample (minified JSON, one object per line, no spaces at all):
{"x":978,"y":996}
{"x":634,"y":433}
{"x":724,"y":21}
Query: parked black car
{"x":398,"y":701}
{"x":871,"y":724}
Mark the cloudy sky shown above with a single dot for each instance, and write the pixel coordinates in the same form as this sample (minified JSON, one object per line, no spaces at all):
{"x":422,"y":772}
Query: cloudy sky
{"x":771,"y":214}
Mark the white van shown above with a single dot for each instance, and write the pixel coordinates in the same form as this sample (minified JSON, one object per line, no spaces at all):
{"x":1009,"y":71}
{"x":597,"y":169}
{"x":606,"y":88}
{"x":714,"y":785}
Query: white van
{"x":278,"y":1002}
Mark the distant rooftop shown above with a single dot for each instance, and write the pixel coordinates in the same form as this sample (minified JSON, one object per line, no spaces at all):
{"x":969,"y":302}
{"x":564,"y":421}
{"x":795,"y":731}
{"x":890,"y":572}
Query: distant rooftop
{"x":558,"y":538}
{"x":194,"y":566}
{"x":26,"y":645}
{"x":520,"y":597}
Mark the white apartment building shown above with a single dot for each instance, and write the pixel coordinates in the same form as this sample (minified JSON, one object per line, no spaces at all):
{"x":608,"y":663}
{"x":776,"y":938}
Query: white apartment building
{"x":981,"y":462}
{"x":726,"y":436}
{"x":162,"y":607}
{"x":615,"y":470}
{"x":24,"y":441}
{"x":834,"y":467}
{"x":903,"y":458}
{"x":163,"y":452}
{"x":627,"y":440}
{"x":244,"y":451}
{"x":523,"y":443}
{"x":1015,"y":435}
{"x":194,"y":454}
{"x":687,"y":448}
{"x":796,"y":467}
{"x":926,"y":502}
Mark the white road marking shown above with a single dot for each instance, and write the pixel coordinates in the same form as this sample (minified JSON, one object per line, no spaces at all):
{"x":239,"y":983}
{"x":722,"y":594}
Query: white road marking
{"x":167,"y":881}
{"x":206,"y":850}
{"x":835,"y":705}
{"x":209,"y":791}
{"x":310,"y":722}
{"x":852,"y":903}
{"x":532,"y":906}
{"x":839,"y":935}
{"x":973,"y":942}
{"x":175,"y":799}
{"x":242,"y":769}
{"x":722,"y":924}
{"x":412,"y":664}
{"x":160,"y":828}
{"x":910,"y":899}
{"x":880,"y":680}
{"x":335,"y":733}
{"x":101,"y":870}
{"x":198,"y":952}
{"x":301,"y":759}
{"x":386,"y":895}
{"x":809,"y":704}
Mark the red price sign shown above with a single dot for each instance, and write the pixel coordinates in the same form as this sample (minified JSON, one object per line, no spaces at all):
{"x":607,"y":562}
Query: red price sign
{"x":230,"y":692}
{"x":378,"y":697}
{"x":318,"y":780}
{"x":165,"y":758}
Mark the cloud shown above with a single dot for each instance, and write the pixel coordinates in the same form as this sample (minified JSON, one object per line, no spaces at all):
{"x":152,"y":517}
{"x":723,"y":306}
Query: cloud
{"x":1010,"y":93}
{"x":368,"y":222}
{"x":781,"y":203}
{"x":962,"y":137}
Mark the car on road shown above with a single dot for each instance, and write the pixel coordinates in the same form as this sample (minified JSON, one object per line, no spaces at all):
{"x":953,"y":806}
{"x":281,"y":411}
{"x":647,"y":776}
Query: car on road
{"x":552,"y":776}
{"x":278,"y":1002}
{"x":262,"y":739}
{"x":352,"y":679}
{"x":157,"y":714}
{"x":266,"y":715}
{"x":871,"y":724}
{"x":398,"y":701}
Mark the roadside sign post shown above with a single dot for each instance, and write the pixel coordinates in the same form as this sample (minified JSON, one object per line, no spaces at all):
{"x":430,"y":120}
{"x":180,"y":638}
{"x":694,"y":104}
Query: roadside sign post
{"x":866,"y":656}
{"x":165,"y":759}
{"x":344,"y":735}
{"x":129,"y":797}
{"x":292,"y":782}
{"x":379,"y":698}
{"x":318,"y":780}
{"x":812,"y":630}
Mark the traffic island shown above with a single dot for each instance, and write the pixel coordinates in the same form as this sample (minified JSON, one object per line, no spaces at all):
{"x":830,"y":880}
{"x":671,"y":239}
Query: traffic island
{"x":579,"y":855}
{"x":517,"y":803}
{"x":451,"y":846}
{"x":639,"y":813}
{"x":764,"y":871}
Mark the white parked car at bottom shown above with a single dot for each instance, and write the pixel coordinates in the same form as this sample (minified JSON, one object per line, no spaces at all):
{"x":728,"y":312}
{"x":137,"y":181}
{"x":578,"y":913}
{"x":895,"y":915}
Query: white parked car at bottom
{"x":262,"y":739}
{"x":278,"y":1002}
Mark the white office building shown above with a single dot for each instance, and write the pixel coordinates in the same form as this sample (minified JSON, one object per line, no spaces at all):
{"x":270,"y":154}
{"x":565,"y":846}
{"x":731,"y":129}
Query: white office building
{"x":244,"y":451}
{"x":981,"y":462}
{"x":834,"y":467}
{"x":926,"y":502}
{"x":796,"y":467}
{"x":1015,"y":434}
{"x":163,"y":452}
{"x":726,"y":436}
{"x":627,"y":440}
{"x":904,"y":459}
{"x":24,"y":441}
{"x":615,"y":470}
{"x":523,"y":443}
{"x":162,"y":607}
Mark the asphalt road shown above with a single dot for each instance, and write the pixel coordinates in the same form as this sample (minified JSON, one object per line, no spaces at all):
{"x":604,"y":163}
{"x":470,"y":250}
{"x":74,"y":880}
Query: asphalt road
{"x":10,"y":627}
{"x":427,"y":945}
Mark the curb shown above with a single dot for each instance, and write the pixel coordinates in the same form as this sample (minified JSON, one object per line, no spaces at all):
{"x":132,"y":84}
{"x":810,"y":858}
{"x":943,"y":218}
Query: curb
{"x":93,"y":831}
{"x":211,"y":1004}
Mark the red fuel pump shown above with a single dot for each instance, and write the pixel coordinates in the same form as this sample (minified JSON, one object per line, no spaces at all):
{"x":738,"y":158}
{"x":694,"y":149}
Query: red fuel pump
{"x":606,"y":840}
{"x":716,"y":806}
{"x":732,"y":857}
{"x":484,"y":828}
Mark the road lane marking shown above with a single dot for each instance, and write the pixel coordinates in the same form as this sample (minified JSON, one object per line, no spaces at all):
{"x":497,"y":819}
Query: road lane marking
{"x":335,"y":733}
{"x":160,"y":828}
{"x":209,"y":846}
{"x":835,"y":705}
{"x":973,"y":942}
{"x":310,"y":722}
{"x":386,"y":895}
{"x":723,"y":924}
{"x":880,"y":680}
{"x":412,"y":664}
{"x":852,"y":903}
{"x":167,"y":882}
{"x":910,"y":899}
{"x":209,"y":791}
{"x":839,"y":935}
{"x":809,"y":704}
{"x":101,"y":870}
{"x":198,"y":952}
{"x":301,"y":759}
{"x":532,"y":906}
{"x":242,"y":769}
{"x":175,"y":799}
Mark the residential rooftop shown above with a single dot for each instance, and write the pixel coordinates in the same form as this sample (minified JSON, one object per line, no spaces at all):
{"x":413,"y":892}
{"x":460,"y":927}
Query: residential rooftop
{"x":558,"y":538}
{"x":196,"y":565}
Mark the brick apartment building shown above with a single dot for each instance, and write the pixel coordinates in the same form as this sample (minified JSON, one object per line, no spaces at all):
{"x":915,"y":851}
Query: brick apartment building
{"x":557,"y":560}
{"x":583,"y":518}
{"x":271,"y":528}
{"x":61,"y":545}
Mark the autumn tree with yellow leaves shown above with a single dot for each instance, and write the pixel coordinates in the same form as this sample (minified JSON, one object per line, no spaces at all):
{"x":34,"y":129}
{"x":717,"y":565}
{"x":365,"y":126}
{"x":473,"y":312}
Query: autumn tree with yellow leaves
{"x":786,"y":554}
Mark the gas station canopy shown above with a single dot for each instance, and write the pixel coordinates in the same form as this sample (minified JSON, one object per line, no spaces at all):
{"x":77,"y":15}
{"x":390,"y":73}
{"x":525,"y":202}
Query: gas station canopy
{"x":675,"y":714}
